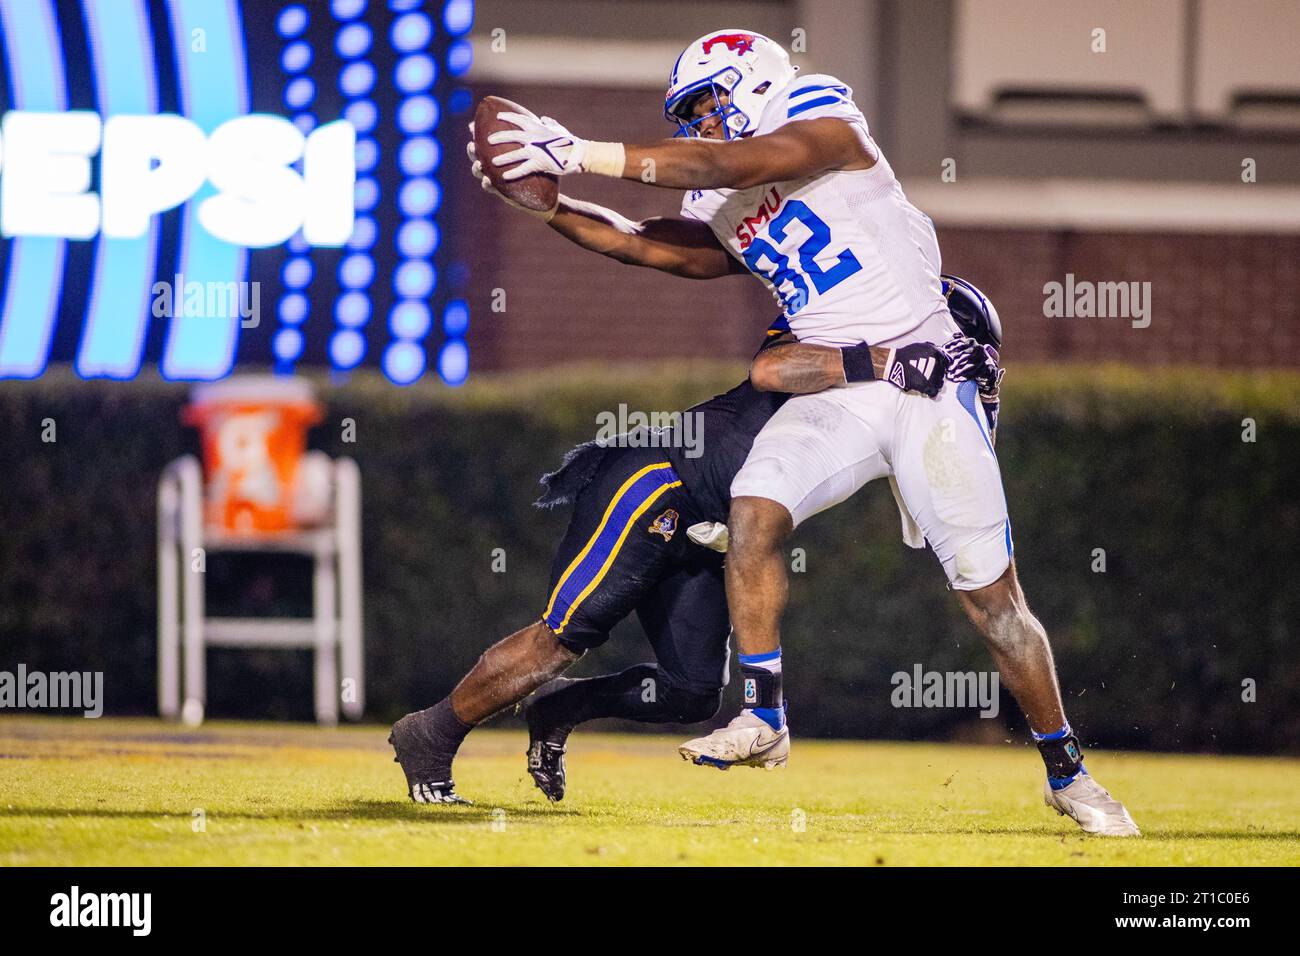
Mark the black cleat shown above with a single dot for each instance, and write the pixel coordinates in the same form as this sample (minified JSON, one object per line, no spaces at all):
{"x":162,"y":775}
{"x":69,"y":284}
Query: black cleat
{"x":413,"y":754}
{"x":547,"y":741}
{"x":546,"y":766}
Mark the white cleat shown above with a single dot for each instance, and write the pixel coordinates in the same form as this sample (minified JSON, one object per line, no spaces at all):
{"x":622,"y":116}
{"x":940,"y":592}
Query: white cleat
{"x":1088,"y":804}
{"x":748,"y":741}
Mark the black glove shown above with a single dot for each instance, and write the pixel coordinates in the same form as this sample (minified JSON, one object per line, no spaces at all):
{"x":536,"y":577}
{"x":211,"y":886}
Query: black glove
{"x":990,"y":375}
{"x":919,"y":367}
{"x":990,"y":385}
{"x":971,"y":361}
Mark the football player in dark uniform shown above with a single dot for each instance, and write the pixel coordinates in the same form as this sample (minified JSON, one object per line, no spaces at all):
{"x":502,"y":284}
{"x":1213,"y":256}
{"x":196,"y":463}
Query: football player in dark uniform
{"x":647,"y":534}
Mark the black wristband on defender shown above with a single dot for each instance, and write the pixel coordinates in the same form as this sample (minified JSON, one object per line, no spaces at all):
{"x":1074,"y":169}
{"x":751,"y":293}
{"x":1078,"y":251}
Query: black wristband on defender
{"x":858,"y":366}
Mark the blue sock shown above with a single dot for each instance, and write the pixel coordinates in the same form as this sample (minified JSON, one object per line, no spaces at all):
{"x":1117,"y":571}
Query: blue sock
{"x":761,"y":676}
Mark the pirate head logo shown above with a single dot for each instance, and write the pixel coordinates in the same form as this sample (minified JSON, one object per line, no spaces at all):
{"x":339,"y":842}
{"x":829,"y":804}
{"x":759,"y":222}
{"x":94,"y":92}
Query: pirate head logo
{"x":665,"y":524}
{"x":739,"y":43}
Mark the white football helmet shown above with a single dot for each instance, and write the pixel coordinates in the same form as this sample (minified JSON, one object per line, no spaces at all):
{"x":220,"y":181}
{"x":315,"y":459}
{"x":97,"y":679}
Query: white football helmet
{"x":747,"y":66}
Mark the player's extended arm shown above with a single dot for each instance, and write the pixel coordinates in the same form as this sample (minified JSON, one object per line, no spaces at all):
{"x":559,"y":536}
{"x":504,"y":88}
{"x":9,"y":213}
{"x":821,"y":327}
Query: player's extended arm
{"x":791,"y":152}
{"x":797,"y":368}
{"x":682,"y":247}
{"x":788,"y":365}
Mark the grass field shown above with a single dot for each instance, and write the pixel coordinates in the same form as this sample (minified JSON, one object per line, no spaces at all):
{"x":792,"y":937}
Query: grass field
{"x":141,"y":792}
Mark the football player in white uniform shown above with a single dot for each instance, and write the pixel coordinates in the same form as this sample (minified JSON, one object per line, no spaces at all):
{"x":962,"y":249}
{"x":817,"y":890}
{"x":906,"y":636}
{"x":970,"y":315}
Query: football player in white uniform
{"x":784,"y":181}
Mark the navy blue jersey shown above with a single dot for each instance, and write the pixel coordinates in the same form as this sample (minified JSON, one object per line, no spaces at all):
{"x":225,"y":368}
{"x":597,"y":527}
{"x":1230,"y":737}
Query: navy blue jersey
{"x":706,"y":451}
{"x":725,"y":428}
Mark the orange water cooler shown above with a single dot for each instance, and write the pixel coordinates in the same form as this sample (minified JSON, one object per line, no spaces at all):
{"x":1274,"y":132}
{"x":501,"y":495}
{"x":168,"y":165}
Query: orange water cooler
{"x":254,"y":435}
{"x":259,"y":489}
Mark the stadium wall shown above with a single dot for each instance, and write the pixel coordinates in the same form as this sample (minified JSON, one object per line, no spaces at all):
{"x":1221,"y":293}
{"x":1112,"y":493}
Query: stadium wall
{"x":1196,"y":528}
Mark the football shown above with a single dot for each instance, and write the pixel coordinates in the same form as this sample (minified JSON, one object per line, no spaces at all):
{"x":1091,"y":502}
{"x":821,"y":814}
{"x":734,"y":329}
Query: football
{"x":538,"y":191}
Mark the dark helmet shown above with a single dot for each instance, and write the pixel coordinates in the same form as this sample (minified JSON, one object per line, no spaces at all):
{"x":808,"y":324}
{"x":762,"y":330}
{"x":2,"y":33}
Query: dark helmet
{"x":972,"y":310}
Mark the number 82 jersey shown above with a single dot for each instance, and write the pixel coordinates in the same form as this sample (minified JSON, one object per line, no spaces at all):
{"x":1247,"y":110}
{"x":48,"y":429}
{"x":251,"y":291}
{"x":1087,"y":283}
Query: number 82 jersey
{"x":844,"y":252}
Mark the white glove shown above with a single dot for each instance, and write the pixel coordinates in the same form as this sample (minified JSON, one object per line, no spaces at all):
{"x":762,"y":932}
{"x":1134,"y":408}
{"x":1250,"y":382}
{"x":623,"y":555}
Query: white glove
{"x":477,"y":169}
{"x":710,"y":534}
{"x":545,"y":146}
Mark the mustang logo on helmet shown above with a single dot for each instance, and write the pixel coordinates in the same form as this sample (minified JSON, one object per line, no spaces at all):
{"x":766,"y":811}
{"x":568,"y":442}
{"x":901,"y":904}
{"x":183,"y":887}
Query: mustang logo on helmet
{"x":742,"y":70}
{"x":737,"y":42}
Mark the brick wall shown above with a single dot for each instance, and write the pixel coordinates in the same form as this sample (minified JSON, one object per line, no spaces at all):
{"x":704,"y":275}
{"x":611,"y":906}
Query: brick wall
{"x":1215,"y":300}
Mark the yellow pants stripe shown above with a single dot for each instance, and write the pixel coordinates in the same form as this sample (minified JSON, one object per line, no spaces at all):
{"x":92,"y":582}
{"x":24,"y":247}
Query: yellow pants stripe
{"x":600,"y":528}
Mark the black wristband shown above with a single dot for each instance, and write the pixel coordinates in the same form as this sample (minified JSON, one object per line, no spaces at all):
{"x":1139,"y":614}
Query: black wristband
{"x":858,"y":366}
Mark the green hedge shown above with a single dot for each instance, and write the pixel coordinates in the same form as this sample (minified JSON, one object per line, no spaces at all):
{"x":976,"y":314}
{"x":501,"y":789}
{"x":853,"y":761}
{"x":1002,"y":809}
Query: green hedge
{"x":1199,"y":528}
